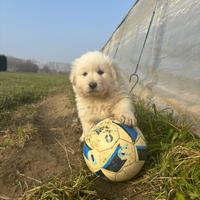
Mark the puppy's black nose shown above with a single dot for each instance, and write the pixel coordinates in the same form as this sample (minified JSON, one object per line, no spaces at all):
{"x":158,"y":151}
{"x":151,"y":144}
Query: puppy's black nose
{"x":93,"y":85}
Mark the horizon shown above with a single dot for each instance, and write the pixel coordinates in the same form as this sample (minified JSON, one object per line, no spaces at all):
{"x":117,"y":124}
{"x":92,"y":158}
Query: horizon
{"x":57,"y":32}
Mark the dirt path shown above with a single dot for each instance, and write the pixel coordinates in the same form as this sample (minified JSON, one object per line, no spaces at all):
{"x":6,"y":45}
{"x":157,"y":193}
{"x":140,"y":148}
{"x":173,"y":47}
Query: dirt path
{"x":44,"y":156}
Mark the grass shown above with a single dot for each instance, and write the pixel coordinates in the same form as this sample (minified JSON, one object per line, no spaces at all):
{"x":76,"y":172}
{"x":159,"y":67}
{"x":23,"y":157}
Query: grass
{"x":18,"y":92}
{"x":24,"y":88}
{"x":17,"y":127}
{"x":18,"y":136}
{"x":78,"y":188}
{"x":172,"y":170}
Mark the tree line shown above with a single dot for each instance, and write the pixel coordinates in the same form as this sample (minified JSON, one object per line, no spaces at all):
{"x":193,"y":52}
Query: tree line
{"x":20,"y":65}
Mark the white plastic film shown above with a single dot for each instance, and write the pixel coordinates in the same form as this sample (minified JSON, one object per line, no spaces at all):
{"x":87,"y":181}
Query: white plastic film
{"x":169,"y":70}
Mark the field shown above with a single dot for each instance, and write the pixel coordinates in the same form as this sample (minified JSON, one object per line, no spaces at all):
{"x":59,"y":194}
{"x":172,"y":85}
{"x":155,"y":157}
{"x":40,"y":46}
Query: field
{"x":41,"y":158}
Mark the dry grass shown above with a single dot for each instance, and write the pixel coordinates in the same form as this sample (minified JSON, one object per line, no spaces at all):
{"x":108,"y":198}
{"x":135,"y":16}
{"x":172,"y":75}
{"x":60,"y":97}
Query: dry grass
{"x":77,"y":188}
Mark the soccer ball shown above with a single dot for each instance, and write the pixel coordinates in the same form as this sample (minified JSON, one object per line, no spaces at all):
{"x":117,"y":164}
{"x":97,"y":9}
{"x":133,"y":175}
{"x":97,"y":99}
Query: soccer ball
{"x":114,"y":150}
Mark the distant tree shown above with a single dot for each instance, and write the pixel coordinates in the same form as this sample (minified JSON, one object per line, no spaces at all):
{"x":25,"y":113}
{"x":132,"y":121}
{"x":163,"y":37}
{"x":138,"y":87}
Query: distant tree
{"x":27,"y":66}
{"x":31,"y":67}
{"x":20,"y":65}
{"x":46,"y":69}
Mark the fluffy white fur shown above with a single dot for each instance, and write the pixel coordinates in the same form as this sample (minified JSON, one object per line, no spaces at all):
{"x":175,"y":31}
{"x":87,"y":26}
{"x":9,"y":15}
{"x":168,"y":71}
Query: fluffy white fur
{"x":109,"y":98}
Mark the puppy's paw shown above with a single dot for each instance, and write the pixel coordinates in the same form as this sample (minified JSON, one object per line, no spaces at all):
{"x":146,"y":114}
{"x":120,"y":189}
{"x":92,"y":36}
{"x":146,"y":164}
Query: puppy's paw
{"x":126,"y":118}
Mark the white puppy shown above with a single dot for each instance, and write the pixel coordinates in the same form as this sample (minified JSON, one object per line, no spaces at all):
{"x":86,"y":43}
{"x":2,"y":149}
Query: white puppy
{"x":100,"y":91}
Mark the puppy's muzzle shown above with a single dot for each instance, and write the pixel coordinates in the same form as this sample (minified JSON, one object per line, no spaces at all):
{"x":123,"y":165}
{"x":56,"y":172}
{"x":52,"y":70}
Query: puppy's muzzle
{"x":92,"y":85}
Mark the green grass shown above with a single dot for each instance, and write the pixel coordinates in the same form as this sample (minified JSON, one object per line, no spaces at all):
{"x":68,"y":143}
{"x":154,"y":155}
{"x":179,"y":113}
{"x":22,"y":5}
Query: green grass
{"x":172,"y":170}
{"x":18,"y":92}
{"x":24,"y":88}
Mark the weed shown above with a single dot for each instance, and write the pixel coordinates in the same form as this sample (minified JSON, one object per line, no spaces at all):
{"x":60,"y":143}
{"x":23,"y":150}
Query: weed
{"x":77,"y":188}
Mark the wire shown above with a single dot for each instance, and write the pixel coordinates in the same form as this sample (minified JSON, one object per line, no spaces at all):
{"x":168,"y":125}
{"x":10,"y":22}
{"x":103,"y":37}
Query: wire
{"x":134,"y":74}
{"x":121,"y":23}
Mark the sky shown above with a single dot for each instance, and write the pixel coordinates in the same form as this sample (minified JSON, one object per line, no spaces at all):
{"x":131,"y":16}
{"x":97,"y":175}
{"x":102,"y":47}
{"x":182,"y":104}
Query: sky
{"x":58,"y":30}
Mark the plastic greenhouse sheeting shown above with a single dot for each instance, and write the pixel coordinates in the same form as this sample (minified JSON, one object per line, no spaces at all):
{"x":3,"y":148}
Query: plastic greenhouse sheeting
{"x":169,"y":69}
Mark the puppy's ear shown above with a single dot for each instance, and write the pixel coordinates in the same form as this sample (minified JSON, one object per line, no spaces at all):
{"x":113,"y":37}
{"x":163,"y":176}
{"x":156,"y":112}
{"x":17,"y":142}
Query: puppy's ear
{"x":73,"y":71}
{"x":73,"y":77}
{"x":114,"y":71}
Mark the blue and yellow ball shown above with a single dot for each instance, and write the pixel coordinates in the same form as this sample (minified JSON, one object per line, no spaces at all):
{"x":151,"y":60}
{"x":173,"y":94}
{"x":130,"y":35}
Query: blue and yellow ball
{"x":114,"y":150}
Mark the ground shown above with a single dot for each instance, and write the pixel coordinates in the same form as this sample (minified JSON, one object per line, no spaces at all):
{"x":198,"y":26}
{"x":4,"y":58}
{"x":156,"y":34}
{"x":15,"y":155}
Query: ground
{"x":52,"y":151}
{"x":41,"y":157}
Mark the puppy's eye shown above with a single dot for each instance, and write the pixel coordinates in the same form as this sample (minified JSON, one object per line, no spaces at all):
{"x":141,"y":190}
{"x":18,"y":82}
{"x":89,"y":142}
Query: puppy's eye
{"x":85,"y":74}
{"x":100,"y":72}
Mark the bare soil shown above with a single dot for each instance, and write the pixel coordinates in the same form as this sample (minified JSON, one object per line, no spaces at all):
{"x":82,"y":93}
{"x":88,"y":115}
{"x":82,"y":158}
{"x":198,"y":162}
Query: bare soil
{"x":53,"y":151}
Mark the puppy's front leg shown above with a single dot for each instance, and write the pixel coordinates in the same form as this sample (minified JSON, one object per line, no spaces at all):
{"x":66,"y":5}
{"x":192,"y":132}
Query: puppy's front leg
{"x":86,"y":128}
{"x":123,"y":112}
